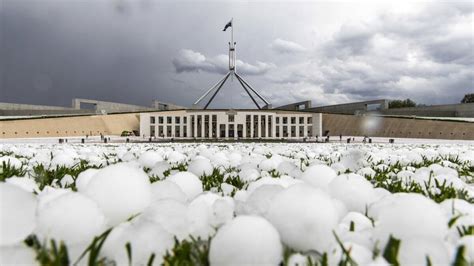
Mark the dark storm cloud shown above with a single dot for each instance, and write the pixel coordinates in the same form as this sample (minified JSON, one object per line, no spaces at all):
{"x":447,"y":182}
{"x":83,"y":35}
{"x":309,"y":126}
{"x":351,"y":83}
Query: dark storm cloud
{"x":136,"y":51}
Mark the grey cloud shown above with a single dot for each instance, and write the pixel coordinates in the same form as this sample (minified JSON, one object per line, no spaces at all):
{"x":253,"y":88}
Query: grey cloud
{"x":425,"y":55}
{"x":286,"y":47}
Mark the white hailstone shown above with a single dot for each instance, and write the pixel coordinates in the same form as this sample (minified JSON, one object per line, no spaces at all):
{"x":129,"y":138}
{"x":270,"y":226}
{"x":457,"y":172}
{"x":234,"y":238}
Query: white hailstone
{"x":409,"y":215}
{"x":84,"y":177}
{"x":235,"y":158}
{"x":405,"y":176}
{"x":319,"y":176}
{"x":72,"y":218}
{"x":286,"y":167}
{"x":381,"y":193}
{"x":260,"y":199}
{"x":362,"y":238}
{"x":220,"y":159}
{"x":200,"y":167}
{"x":414,"y":250}
{"x":171,"y":215}
{"x":468,"y":243}
{"x":451,"y":180}
{"x":360,"y":221}
{"x":121,"y":191}
{"x":208,"y":211}
{"x":188,"y":182}
{"x":128,"y":156}
{"x":382,"y":167}
{"x":339,"y":167}
{"x":268,"y":164}
{"x":236,"y":243}
{"x":366,"y":171}
{"x":283,"y":181}
{"x":67,"y":180}
{"x":360,"y":254}
{"x":25,"y":183}
{"x":145,"y":237}
{"x":17,"y":255}
{"x":149,"y":159}
{"x":176,"y":157}
{"x":167,"y":190}
{"x":354,"y":190}
{"x":249,"y":174}
{"x":14,"y":162}
{"x":455,"y":207}
{"x":17,"y":209}
{"x":227,"y":189}
{"x":50,"y":193}
{"x":305,"y":218}
{"x":159,"y":169}
{"x":62,"y":159}
{"x":297,"y":259}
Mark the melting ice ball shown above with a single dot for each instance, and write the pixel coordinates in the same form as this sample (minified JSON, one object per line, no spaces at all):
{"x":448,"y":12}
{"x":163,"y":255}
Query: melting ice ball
{"x":71,"y":217}
{"x":17,"y":212}
{"x":304,"y":217}
{"x":188,"y":182}
{"x":120,"y":190}
{"x":246,"y":240}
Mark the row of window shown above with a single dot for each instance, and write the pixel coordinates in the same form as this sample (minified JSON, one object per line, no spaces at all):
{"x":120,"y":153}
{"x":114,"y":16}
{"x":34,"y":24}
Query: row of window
{"x":231,"y":118}
{"x":231,"y":131}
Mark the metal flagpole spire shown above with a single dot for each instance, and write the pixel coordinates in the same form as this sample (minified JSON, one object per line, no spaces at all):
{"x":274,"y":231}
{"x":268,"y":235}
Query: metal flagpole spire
{"x":232,"y":72}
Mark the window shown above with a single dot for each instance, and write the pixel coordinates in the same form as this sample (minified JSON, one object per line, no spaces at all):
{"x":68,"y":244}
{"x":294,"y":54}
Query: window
{"x":160,"y":131}
{"x":168,"y":119}
{"x":152,"y":131}
{"x":285,"y":120}
{"x":277,"y":120}
{"x":231,"y":118}
{"x":160,"y":120}
{"x":152,"y":119}
{"x":177,"y":120}
{"x":176,"y":131}
{"x":301,"y":120}
{"x":310,"y":120}
{"x":293,"y":120}
{"x":185,"y":120}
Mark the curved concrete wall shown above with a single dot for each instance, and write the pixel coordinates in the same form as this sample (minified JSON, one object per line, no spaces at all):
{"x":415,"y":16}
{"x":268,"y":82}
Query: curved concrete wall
{"x":347,"y":125}
{"x":69,"y":126}
{"x":350,"y":125}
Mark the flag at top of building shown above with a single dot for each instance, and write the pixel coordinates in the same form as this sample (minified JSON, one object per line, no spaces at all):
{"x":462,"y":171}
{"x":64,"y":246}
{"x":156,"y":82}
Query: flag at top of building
{"x":229,"y":24}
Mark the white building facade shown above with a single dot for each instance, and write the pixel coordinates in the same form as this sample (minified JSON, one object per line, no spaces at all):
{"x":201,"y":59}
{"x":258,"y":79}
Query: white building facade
{"x":230,"y":124}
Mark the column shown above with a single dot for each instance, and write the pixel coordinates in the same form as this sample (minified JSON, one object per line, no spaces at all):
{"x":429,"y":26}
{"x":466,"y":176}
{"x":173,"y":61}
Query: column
{"x":251,"y":126}
{"x":210,"y":126}
{"x":226,"y":129}
{"x":195,"y":126}
{"x":244,"y":128}
{"x":202,"y":126}
{"x":259,"y":127}
{"x":266,"y":126}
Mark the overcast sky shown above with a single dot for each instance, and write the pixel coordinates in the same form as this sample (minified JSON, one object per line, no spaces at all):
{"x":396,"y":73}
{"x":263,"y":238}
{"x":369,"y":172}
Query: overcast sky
{"x":134,"y":51}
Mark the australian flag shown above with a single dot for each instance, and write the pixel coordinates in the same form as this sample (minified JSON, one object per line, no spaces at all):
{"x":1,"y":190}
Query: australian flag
{"x":227,"y":25}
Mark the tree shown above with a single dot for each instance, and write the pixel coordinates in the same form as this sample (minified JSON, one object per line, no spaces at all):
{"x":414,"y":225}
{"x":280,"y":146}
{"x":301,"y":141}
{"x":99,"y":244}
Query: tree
{"x":401,"y":103}
{"x":468,"y":98}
